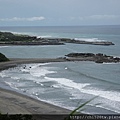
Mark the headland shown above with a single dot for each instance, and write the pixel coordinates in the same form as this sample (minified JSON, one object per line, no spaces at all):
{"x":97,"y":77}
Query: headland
{"x":8,"y":38}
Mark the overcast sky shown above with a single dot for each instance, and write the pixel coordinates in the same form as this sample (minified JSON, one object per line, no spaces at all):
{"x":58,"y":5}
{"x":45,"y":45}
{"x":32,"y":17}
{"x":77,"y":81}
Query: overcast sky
{"x":59,"y":12}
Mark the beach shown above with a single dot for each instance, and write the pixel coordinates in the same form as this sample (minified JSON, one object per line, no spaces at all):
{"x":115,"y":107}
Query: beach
{"x":12,"y":102}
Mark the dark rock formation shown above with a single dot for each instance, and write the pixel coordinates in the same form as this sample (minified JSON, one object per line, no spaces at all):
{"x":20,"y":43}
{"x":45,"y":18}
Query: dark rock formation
{"x":80,"y":55}
{"x":98,"y":58}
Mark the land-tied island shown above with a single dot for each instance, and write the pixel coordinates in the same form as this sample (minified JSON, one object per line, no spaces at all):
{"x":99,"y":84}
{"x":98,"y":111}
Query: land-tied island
{"x":15,"y":103}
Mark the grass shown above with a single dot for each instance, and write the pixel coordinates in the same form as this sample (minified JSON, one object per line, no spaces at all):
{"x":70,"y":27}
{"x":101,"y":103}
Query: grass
{"x":3,"y":58}
{"x":79,"y":109}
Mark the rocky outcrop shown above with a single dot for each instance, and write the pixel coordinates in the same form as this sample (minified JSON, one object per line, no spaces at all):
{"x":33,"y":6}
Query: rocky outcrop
{"x":98,"y":58}
{"x":80,"y":55}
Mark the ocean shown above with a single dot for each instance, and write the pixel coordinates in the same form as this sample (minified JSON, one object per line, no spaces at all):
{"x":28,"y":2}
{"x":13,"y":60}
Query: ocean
{"x":67,"y":84}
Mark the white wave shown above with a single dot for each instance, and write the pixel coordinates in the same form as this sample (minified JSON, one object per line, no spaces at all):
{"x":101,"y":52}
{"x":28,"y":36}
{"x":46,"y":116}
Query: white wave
{"x":12,"y":85}
{"x":18,"y":33}
{"x":44,"y":36}
{"x":90,"y":39}
{"x":4,"y":46}
{"x":110,"y":63}
{"x":68,"y":83}
{"x":25,"y":70}
{"x":112,"y":110}
{"x":9,"y":83}
{"x":39,"y":72}
{"x":2,"y":74}
{"x":15,"y":78}
{"x":28,"y":67}
{"x":111,"y":95}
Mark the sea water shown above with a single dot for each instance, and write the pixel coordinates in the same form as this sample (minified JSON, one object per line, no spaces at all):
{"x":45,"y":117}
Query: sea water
{"x":67,"y":84}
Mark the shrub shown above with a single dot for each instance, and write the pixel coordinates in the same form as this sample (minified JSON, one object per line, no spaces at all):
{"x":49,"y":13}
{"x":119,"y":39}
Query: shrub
{"x":3,"y":58}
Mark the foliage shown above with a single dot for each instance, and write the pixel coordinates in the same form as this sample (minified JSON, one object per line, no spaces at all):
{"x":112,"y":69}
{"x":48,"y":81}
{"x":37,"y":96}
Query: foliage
{"x":79,"y":108}
{"x":15,"y":117}
{"x":8,"y":37}
{"x":3,"y":58}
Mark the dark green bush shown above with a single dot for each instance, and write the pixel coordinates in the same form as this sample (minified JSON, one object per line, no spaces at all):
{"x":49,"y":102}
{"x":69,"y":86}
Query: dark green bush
{"x":3,"y":58}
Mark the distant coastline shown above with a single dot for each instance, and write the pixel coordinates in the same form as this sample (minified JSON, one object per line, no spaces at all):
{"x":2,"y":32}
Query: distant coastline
{"x":8,"y":38}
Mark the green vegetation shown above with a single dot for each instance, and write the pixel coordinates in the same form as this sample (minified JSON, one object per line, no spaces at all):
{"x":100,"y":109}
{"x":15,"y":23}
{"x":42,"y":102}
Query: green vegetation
{"x":3,"y":58}
{"x":78,"y":110}
{"x":16,"y":117}
{"x":8,"y":37}
{"x":17,"y":39}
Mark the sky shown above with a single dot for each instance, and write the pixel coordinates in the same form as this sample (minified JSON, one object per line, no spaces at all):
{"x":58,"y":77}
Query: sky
{"x":59,"y":12}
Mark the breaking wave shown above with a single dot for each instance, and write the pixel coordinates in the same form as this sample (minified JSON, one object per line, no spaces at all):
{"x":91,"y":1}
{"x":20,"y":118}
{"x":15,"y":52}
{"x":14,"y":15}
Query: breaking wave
{"x":90,"y":39}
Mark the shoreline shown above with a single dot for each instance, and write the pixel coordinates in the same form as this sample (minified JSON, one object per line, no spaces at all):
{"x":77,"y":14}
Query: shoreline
{"x":12,"y":102}
{"x":16,"y":61}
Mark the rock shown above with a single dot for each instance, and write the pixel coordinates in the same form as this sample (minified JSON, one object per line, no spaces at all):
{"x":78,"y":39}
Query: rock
{"x":99,"y":61}
{"x":80,"y":55}
{"x":98,"y":58}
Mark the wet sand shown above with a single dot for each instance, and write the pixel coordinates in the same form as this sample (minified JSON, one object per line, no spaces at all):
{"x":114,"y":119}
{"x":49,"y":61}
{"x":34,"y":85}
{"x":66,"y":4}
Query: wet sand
{"x":12,"y":102}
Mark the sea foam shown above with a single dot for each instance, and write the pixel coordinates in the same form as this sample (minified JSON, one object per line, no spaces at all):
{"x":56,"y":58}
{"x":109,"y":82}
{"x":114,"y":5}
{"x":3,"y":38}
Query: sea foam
{"x":111,"y":95}
{"x":44,"y":36}
{"x":68,"y":83}
{"x":4,"y":46}
{"x":90,"y":39}
{"x":38,"y":72}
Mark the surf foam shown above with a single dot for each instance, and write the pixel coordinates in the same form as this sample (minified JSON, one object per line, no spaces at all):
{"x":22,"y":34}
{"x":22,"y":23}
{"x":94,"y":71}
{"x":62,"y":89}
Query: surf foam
{"x":111,"y":95}
{"x":39,"y":72}
{"x":68,"y":83}
{"x":90,"y":39}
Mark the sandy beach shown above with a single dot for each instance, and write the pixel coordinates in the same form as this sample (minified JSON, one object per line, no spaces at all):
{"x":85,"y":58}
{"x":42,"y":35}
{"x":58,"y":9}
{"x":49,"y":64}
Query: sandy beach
{"x":12,"y":102}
